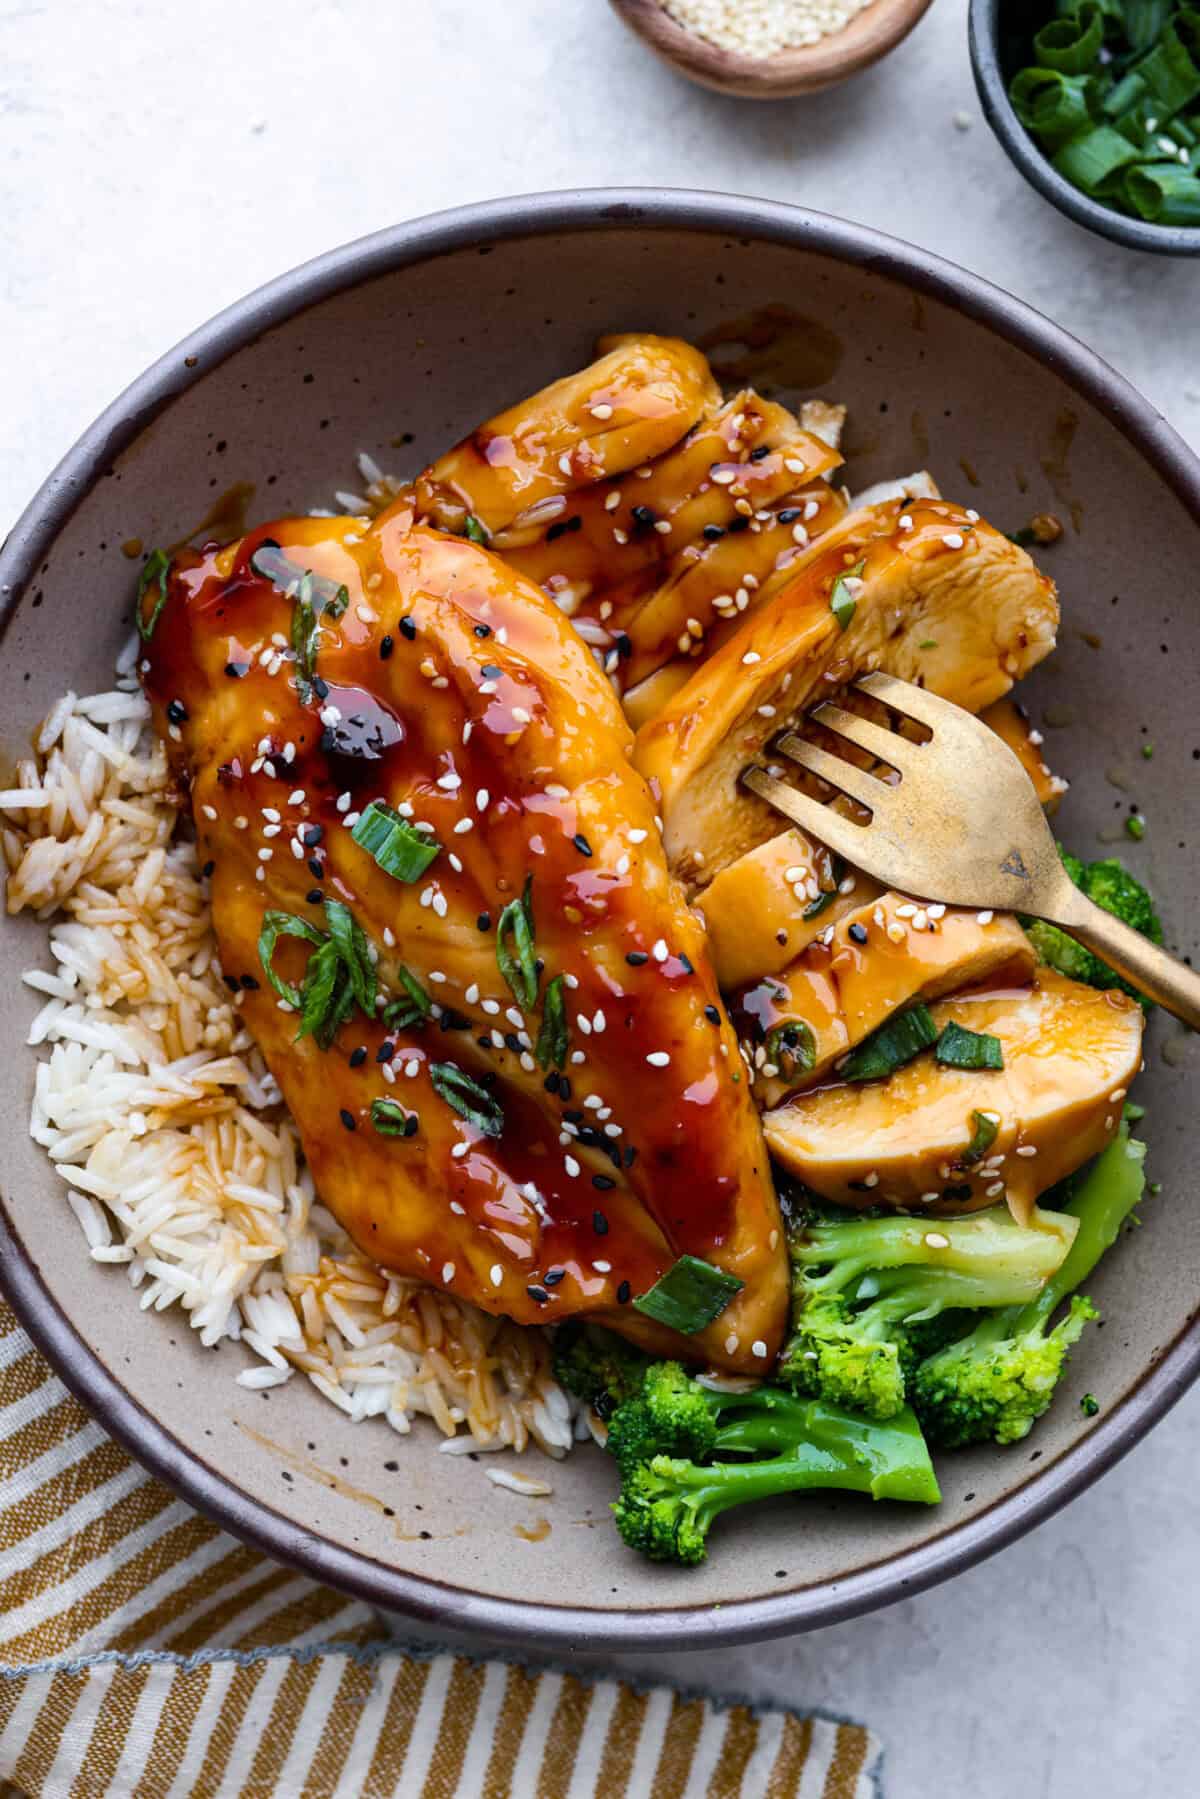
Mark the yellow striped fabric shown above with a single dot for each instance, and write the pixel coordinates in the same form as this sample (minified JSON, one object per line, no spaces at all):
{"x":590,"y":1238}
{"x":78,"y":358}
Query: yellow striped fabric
{"x":145,"y":1653}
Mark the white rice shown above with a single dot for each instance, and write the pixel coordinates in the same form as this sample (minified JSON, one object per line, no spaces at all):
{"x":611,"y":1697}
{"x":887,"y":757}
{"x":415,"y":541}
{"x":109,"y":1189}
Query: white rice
{"x":160,"y":1115}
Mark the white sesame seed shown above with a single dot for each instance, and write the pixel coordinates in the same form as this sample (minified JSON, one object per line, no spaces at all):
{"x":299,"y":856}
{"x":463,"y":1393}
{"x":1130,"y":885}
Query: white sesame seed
{"x":571,"y":1166}
{"x":935,"y":1240}
{"x":731,"y":1343}
{"x":601,"y":411}
{"x":584,"y":1023}
{"x":521,"y":717}
{"x":612,"y":500}
{"x":298,"y":798}
{"x":436,"y":976}
{"x":577,"y":1056}
{"x":602,"y":1267}
{"x":448,"y":1271}
{"x":265,"y":855}
{"x":750,"y":658}
{"x":463,"y":826}
{"x":497,"y":1274}
{"x":440,"y":905}
{"x":994,"y":1188}
{"x":658,"y":1058}
{"x":450,"y":781}
{"x":758,"y":1348}
{"x":638,"y":836}
{"x":209,"y":811}
{"x":660,"y":952}
{"x":459,"y":1151}
{"x":984,"y":917}
{"x":1027,"y":1149}
{"x":343,"y":802}
{"x":953,"y":540}
{"x":412,"y":1070}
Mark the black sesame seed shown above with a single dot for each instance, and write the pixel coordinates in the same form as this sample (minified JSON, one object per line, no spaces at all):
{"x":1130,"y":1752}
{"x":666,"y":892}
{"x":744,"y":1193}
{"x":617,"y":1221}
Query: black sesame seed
{"x":589,"y":1135}
{"x":556,"y":531}
{"x":573,"y":1116}
{"x":249,"y":983}
{"x":636,"y":957}
{"x":624,"y":1292}
{"x":314,"y":896}
{"x":630,"y":1156}
{"x":575,"y":523}
{"x":386,"y":1051}
{"x":232,"y":982}
{"x":539,"y":1295}
{"x":207,"y":869}
{"x":564,"y":1088}
{"x":453,"y":1021}
{"x":316,"y":868}
{"x":483,"y":630}
{"x":412,"y":1124}
{"x":713,"y":532}
{"x":311,"y":834}
{"x":490,"y":672}
{"x":348,"y":1119}
{"x":603,"y":1181}
{"x":789,"y":515}
{"x":685,"y":964}
{"x":712,"y":1015}
{"x":552,"y":1276}
{"x":484,"y":922}
{"x":235,"y":670}
{"x":408,"y":629}
{"x":581,"y":844}
{"x":759,"y":451}
{"x":859,"y":933}
{"x":614,"y":1155}
{"x":387,"y":644}
{"x":358,"y":1056}
{"x":513,"y":1042}
{"x":177,"y":712}
{"x":642,"y":515}
{"x":551,"y":1081}
{"x":600,"y":1224}
{"x":740,"y":523}
{"x":624,"y":645}
{"x":320,"y":687}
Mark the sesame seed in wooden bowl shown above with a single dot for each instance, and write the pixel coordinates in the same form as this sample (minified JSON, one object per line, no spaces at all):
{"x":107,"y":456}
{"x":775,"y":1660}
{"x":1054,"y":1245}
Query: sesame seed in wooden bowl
{"x":770,"y":49}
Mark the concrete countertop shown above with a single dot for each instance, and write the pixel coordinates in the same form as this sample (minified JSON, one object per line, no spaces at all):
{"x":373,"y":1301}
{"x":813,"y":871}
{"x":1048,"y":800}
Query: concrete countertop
{"x":157,"y":161}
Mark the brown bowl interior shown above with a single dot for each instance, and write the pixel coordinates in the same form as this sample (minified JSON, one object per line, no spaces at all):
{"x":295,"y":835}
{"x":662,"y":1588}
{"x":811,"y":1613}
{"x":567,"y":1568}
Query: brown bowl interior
{"x":418,"y":336}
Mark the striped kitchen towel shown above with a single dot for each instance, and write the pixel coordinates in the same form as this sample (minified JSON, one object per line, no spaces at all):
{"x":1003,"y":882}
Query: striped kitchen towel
{"x":145,"y":1653}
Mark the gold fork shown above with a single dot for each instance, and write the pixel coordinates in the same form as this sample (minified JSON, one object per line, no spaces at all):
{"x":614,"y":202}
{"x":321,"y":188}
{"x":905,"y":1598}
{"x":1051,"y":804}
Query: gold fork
{"x":962,"y":825}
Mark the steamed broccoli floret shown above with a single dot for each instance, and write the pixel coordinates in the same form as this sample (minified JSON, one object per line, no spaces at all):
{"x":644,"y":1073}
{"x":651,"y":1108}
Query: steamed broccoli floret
{"x":997,"y":1381}
{"x":598,"y":1367}
{"x":1113,"y":887}
{"x":867,"y":1294}
{"x":674,"y":1415}
{"x":668,"y":1504}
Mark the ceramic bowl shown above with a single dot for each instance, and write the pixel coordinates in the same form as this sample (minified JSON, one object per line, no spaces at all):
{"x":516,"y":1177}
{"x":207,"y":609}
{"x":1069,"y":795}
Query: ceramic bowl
{"x":1000,"y":32}
{"x":414,"y":335}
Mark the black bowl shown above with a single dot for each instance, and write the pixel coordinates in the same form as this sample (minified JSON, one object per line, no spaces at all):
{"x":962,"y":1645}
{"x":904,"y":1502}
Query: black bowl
{"x":1000,"y":32}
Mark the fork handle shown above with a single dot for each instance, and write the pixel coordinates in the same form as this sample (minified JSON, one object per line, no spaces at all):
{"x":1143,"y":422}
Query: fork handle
{"x":1143,"y":964}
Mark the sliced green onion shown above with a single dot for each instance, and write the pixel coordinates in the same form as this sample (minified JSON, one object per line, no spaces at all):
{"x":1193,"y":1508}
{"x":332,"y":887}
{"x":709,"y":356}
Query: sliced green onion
{"x":986,"y":1129}
{"x":842,"y":602}
{"x":689,"y":1296}
{"x":891,"y":1046}
{"x":553,"y":1039}
{"x":517,"y":961}
{"x":323,"y":994}
{"x":476,"y":530}
{"x":1169,"y":71}
{"x":791,"y":1047}
{"x":1072,"y":44}
{"x":467,"y":1098}
{"x":391,"y":1119}
{"x":415,"y":1009}
{"x":1164,"y":193}
{"x":155,"y":569}
{"x":1052,"y":105}
{"x":1089,"y":160}
{"x":400,"y":849}
{"x":284,"y":924}
{"x":958,"y":1047}
{"x":353,"y":948}
{"x":304,"y":635}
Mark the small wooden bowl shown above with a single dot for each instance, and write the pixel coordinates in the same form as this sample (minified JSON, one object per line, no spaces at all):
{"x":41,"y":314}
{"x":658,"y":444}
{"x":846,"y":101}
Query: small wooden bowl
{"x":868,"y":37}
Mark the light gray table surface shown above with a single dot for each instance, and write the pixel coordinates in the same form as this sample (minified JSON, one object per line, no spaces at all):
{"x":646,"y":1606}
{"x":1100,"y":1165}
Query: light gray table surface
{"x":158,"y":160}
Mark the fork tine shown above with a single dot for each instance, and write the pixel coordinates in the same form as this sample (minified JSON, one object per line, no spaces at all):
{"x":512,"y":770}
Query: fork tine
{"x":902,"y":696}
{"x":854,"y":781}
{"x":822,"y":822}
{"x":887,"y":745}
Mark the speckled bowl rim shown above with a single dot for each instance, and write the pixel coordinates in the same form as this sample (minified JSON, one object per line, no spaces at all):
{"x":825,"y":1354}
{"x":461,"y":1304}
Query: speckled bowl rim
{"x":1027,"y":156}
{"x":147,"y":1437}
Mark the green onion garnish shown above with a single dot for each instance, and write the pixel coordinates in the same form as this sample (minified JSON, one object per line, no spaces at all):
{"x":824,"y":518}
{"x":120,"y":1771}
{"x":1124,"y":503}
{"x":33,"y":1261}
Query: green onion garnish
{"x":1113,"y":97}
{"x":552,"y":1041}
{"x":837,"y":869}
{"x":284,"y":924}
{"x":391,"y":1120}
{"x":415,"y":1009}
{"x":959,"y":1048}
{"x":841,"y":601}
{"x":307,"y":591}
{"x":467,"y":1098}
{"x":353,"y":948}
{"x":156,"y":568}
{"x":476,"y":530}
{"x":791,"y":1047}
{"x":518,"y":963}
{"x":397,"y":846}
{"x":986,"y":1128}
{"x":891,"y":1046}
{"x":689,"y":1296}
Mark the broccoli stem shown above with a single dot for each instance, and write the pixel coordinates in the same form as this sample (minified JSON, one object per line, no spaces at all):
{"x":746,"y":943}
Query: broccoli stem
{"x":987,"y":1246}
{"x":1102,"y":1197}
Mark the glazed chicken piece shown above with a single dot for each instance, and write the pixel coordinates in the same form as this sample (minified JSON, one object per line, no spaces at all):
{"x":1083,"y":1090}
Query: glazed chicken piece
{"x":439,"y":888}
{"x":650,"y":513}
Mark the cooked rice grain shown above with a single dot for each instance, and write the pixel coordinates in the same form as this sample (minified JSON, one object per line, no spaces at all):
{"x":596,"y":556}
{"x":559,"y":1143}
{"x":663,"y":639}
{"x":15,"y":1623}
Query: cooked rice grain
{"x":165,"y":1123}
